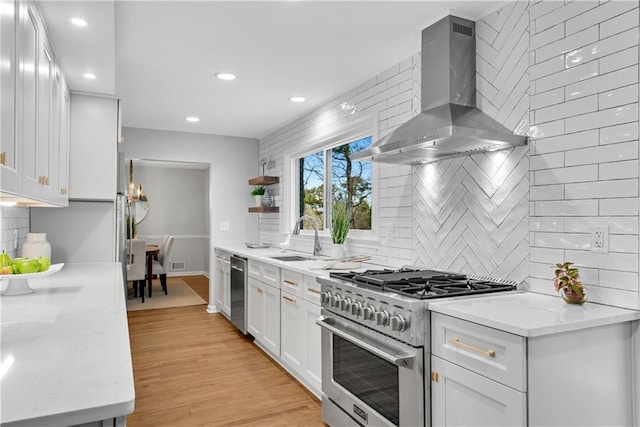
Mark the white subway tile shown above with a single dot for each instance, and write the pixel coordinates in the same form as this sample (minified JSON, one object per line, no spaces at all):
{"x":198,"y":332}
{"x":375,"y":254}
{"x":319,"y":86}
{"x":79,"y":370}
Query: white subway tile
{"x":602,"y":189}
{"x":553,"y":65}
{"x":567,"y":109}
{"x":621,"y":22}
{"x":546,"y":256}
{"x":603,"y":118}
{"x":623,"y":243}
{"x":618,"y":170}
{"x":617,"y":225}
{"x":567,"y":142}
{"x":601,"y":48}
{"x":567,"y":44}
{"x":562,"y":241}
{"x":547,"y":36}
{"x":612,"y":261}
{"x":602,"y":83}
{"x":618,"y":279}
{"x":485,"y":31}
{"x":566,"y":208}
{"x":599,"y":14}
{"x":624,"y":206}
{"x":615,"y":297}
{"x":618,"y":60}
{"x":620,"y":96}
{"x":547,"y":130}
{"x":619,"y":133}
{"x":602,"y":154}
{"x":546,"y":161}
{"x":541,"y":8}
{"x":540,"y":223}
{"x":564,"y":13}
{"x":567,"y":77}
{"x":546,"y":192}
{"x":545,"y":99}
{"x":566,"y":175}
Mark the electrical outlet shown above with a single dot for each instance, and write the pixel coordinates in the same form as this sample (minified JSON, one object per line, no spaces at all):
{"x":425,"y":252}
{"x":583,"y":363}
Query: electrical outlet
{"x":600,"y":239}
{"x":224,"y":226}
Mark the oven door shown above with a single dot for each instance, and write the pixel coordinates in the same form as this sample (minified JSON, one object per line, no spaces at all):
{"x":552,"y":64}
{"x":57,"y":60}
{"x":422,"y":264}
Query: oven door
{"x":374,"y":379}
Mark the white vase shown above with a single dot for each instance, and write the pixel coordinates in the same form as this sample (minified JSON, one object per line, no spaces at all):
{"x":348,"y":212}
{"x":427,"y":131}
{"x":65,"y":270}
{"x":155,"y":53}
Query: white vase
{"x":338,"y":250}
{"x":258,"y":200}
{"x":36,"y":245}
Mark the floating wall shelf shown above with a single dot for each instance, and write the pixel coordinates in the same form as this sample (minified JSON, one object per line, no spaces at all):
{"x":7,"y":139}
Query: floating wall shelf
{"x":264,"y":180}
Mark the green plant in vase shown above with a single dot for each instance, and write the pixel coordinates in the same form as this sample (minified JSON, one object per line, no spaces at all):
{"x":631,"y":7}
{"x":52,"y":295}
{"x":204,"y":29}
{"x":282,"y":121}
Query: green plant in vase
{"x":340,"y":222}
{"x":567,"y":282}
{"x":258,"y":190}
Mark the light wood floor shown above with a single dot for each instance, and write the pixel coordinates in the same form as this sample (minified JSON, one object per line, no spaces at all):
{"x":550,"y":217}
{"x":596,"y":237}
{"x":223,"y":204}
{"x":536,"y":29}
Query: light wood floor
{"x":192,"y":368}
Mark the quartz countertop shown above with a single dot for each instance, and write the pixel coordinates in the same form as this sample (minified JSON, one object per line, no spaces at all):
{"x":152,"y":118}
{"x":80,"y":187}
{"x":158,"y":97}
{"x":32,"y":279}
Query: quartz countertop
{"x":70,"y":344}
{"x":530,"y":314}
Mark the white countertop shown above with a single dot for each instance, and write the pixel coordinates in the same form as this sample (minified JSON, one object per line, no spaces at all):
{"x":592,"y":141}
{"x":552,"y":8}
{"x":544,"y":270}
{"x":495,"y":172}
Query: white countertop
{"x":70,"y":342}
{"x":530,"y":315}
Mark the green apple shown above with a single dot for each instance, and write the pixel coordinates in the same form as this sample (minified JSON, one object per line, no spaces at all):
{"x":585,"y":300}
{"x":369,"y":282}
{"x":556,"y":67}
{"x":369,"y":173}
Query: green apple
{"x":28,"y":265}
{"x":14,"y":264}
{"x":45,"y":263}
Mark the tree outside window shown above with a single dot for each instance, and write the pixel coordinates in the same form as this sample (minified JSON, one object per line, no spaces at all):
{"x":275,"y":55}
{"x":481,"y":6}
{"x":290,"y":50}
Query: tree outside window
{"x":348,"y":180}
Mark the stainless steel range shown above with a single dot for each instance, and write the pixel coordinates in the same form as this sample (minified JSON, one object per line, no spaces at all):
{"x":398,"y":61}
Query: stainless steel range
{"x":376,"y":342}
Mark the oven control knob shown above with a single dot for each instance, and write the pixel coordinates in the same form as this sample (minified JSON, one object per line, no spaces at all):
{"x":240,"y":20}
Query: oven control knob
{"x":398,"y":323}
{"x":345,"y":304}
{"x":356,"y":308}
{"x":382,"y":317}
{"x":325,"y":297}
{"x":335,"y":300}
{"x":368,"y":312}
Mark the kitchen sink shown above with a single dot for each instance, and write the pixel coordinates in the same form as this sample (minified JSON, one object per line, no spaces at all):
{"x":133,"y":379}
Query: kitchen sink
{"x":288,"y":258}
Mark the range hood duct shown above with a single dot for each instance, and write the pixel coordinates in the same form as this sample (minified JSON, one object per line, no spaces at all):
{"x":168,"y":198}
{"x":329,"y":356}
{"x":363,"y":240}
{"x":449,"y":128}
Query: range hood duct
{"x":449,"y":124}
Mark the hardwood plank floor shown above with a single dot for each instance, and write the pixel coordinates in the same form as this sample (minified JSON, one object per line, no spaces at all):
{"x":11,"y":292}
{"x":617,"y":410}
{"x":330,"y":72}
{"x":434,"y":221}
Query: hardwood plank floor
{"x":192,"y":368}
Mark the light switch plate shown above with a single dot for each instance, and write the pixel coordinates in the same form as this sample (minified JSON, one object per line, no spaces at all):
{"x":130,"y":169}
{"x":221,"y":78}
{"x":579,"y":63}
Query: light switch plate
{"x":224,"y":226}
{"x":600,"y":239}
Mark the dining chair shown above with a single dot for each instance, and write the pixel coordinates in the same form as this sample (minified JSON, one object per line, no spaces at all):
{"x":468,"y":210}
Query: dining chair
{"x":137,"y":269}
{"x":161,"y":266}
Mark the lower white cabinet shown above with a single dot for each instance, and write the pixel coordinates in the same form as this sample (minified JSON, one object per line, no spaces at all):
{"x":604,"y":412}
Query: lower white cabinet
{"x":222,"y":284}
{"x":313,"y":366}
{"x":263,"y":318}
{"x":460,"y":397}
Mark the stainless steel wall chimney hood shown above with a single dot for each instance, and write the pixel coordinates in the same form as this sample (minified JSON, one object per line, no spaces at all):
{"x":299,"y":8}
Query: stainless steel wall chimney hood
{"x":449,"y":124}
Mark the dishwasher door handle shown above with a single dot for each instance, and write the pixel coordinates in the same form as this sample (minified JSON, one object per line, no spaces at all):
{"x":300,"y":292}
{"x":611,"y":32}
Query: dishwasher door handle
{"x":237,"y":268}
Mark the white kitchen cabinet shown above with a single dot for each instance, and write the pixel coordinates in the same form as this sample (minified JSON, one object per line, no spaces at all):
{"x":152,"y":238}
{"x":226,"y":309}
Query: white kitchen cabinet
{"x":294,"y":326}
{"x":265,"y":273}
{"x":291,"y":282}
{"x":313,"y":366}
{"x":31,"y":146}
{"x":485,"y":376}
{"x":93,"y":152}
{"x":222,"y":283}
{"x":264,"y":315}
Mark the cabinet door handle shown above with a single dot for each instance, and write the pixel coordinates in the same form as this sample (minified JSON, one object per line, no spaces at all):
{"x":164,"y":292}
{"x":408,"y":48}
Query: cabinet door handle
{"x":260,"y":290}
{"x":456,"y":341}
{"x":3,"y":158}
{"x":315,"y":291}
{"x":289,"y":282}
{"x":289,"y":299}
{"x":435,"y":376}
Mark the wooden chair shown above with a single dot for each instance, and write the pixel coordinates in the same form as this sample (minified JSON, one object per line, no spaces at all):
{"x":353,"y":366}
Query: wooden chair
{"x":163,"y":264}
{"x":137,"y":269}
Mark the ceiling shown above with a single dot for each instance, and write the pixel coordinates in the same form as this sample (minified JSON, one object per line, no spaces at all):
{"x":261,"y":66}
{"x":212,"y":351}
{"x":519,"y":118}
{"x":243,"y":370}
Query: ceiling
{"x":161,"y":57}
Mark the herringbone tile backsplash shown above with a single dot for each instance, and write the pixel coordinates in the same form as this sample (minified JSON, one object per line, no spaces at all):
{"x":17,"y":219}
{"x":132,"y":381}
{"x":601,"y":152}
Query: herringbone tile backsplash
{"x":471,"y":213}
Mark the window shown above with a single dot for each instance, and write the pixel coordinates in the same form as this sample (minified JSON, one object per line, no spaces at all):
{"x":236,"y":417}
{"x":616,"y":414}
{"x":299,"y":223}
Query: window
{"x":330,"y":174}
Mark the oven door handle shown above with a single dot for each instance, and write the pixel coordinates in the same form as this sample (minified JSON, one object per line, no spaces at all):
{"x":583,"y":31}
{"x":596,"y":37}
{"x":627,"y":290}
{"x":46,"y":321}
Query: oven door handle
{"x":401,"y":360}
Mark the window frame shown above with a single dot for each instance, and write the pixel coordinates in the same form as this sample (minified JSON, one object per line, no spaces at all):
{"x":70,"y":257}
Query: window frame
{"x":346,"y":134}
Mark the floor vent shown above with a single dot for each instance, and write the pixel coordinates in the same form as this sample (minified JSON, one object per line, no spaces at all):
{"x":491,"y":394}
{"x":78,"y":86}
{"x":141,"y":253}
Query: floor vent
{"x":177,"y":265}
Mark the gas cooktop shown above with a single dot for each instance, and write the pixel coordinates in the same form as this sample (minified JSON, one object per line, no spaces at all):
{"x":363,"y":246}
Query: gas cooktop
{"x":423,"y":284}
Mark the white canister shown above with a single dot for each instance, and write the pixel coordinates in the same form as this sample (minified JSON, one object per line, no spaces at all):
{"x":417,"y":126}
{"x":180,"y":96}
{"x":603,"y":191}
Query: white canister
{"x":36,"y":245}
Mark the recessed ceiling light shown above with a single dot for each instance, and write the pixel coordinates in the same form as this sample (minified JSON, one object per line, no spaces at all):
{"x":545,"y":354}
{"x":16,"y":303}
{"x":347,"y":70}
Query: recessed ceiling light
{"x":226,"y":76}
{"x":89,"y":76}
{"x":297,"y":99}
{"x":79,"y":22}
{"x":192,"y":119}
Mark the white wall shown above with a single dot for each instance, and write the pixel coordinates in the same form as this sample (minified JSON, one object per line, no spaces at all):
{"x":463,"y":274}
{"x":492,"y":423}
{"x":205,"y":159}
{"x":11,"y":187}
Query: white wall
{"x":13,"y":220}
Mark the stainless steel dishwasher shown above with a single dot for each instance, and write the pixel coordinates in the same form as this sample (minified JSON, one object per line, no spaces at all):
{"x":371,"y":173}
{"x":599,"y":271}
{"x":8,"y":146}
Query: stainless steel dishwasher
{"x":239,"y":293}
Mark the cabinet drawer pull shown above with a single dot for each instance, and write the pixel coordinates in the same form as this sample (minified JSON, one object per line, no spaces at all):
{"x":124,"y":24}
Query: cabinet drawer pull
{"x":289,"y":282}
{"x":456,"y":341}
{"x":315,"y":291}
{"x":46,"y":180}
{"x":289,"y":299}
{"x":3,"y":158}
{"x":260,"y":290}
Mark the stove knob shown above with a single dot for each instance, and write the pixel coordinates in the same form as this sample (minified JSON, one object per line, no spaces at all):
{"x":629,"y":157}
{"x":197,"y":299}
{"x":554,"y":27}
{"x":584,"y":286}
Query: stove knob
{"x":325,"y":297}
{"x":335,"y":300}
{"x":356,"y":308}
{"x":345,"y":304}
{"x":382,"y":317}
{"x":398,"y":323}
{"x":368,"y":312}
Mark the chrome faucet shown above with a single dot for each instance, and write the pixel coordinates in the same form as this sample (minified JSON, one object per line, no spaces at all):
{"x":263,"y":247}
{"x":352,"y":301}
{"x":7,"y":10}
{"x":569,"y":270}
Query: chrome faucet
{"x":316,"y":242}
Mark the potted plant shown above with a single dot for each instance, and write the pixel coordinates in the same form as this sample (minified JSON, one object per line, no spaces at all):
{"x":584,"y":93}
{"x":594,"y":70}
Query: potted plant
{"x":257,"y":193}
{"x":566,"y":281}
{"x":340,"y":223}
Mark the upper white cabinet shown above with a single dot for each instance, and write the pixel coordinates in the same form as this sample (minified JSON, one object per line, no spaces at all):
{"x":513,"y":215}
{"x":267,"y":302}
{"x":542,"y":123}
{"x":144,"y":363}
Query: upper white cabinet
{"x":93,"y":153}
{"x":34,"y":123}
